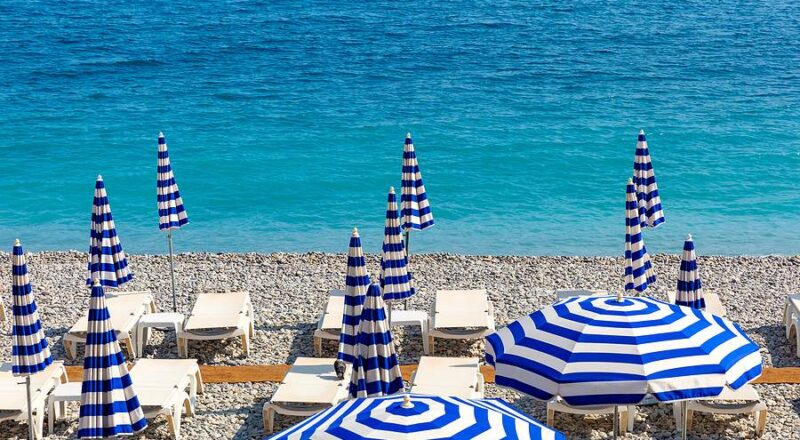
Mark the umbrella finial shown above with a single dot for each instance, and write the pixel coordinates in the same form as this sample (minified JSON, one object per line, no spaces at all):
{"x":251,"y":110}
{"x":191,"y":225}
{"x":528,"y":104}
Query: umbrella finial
{"x":630,"y":180}
{"x":99,"y":177}
{"x":407,"y":402}
{"x":641,"y":132}
{"x":16,"y":242}
{"x":355,"y":231}
{"x":391,"y":190}
{"x":619,"y":297}
{"x":689,"y":237}
{"x":95,"y":282}
{"x":408,"y":135}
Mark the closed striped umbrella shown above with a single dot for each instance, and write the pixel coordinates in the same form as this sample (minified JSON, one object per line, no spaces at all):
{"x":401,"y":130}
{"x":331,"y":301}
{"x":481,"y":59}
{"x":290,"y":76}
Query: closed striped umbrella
{"x":416,"y":416}
{"x":613,"y":351}
{"x":356,"y":283}
{"x":415,"y":209}
{"x":395,"y":279}
{"x":638,"y":269}
{"x":376,"y":371}
{"x":109,"y":406}
{"x":29,"y":352}
{"x":171,"y":213}
{"x":690,"y":288}
{"x":644,"y":178}
{"x":107,"y":261}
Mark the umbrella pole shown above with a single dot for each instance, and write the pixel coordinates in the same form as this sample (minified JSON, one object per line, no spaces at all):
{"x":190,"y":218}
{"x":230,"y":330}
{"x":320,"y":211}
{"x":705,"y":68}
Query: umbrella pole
{"x":172,"y":270}
{"x":30,"y":410}
{"x":407,"y":237}
{"x":616,"y":421}
{"x":684,"y":414}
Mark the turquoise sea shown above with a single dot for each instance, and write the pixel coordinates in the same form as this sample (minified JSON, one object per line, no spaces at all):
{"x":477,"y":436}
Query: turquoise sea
{"x":285,"y":121}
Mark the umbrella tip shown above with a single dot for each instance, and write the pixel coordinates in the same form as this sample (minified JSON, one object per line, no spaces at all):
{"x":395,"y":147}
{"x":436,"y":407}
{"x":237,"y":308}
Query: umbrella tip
{"x":408,"y":135}
{"x":407,"y":402}
{"x":99,"y":177}
{"x":619,"y":297}
{"x":355,"y":231}
{"x":391,"y":190}
{"x":95,"y":282}
{"x":161,"y":134}
{"x":641,"y":131}
{"x":630,"y":180}
{"x":16,"y":242}
{"x":689,"y":237}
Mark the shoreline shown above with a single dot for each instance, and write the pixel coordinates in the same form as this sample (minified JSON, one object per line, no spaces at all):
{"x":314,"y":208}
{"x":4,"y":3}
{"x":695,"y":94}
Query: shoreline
{"x":288,"y":292}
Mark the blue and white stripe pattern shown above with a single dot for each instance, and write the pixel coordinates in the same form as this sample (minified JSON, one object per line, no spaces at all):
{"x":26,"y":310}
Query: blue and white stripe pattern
{"x":171,"y":214}
{"x":415,"y":209}
{"x":416,"y":416}
{"x":395,"y":279}
{"x":638,"y":269}
{"x":690,"y":288}
{"x":644,"y":178}
{"x":613,"y":350}
{"x":376,"y":371}
{"x":107,"y":261}
{"x":29,"y":352}
{"x":109,"y":406}
{"x":356,"y":283}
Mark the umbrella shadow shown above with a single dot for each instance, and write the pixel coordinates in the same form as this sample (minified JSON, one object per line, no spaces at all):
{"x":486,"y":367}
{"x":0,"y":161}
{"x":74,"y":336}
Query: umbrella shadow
{"x":773,"y":342}
{"x":302,"y":342}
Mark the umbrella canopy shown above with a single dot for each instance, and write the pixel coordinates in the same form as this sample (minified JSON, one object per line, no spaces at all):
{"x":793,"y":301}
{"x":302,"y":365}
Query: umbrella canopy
{"x":415,"y":208}
{"x":613,"y":351}
{"x":644,"y":178}
{"x":356,"y":283}
{"x":109,"y":406}
{"x":420,"y":417}
{"x":107,"y":261}
{"x":395,"y":279}
{"x":690,"y":288}
{"x":171,"y":214}
{"x":638,"y":269}
{"x":29,"y":352}
{"x":376,"y":371}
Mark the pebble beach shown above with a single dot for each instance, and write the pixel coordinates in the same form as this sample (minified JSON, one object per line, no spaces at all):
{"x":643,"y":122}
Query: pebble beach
{"x":288,"y":291}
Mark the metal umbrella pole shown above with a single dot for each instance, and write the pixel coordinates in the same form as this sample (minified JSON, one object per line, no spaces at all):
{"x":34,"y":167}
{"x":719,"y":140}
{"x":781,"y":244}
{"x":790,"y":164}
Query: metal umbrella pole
{"x":31,"y":435}
{"x":615,"y":426}
{"x":172,"y":271}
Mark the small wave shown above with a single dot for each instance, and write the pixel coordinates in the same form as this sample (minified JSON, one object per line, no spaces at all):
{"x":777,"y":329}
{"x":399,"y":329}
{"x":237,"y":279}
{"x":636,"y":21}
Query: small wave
{"x":145,"y":62}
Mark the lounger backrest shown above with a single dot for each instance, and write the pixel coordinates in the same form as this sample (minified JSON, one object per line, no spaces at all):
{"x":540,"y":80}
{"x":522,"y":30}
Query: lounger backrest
{"x":331,"y":318}
{"x":218,"y":310}
{"x":441,"y":371}
{"x":125,"y":311}
{"x":159,"y":373}
{"x":461,"y":308}
{"x":12,"y":388}
{"x":312,"y":380}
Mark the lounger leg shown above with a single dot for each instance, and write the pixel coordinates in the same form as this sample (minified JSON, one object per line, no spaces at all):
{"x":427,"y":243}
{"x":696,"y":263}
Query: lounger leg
{"x":317,"y":346}
{"x":188,"y":408}
{"x":689,"y":419}
{"x":52,"y":414}
{"x":787,"y":321}
{"x":796,"y":330}
{"x":38,"y":422}
{"x":140,"y":338}
{"x":425,"y":338}
{"x":631,"y":417}
{"x":174,"y":423}
{"x":551,"y":415}
{"x":246,"y":344}
{"x":431,"y":344}
{"x":269,"y":419}
{"x":183,"y":347}
{"x":623,"y":421}
{"x":69,"y":349}
{"x":761,"y":422}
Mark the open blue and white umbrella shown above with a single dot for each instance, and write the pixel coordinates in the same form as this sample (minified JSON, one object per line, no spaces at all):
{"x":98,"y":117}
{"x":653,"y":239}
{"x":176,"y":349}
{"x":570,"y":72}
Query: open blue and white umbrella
{"x":415,"y":209}
{"x":416,"y":416}
{"x":690,"y":288}
{"x":109,"y":406}
{"x":644,"y":178}
{"x":395,"y":279}
{"x":107,"y":261}
{"x":376,"y":371}
{"x":171,"y":213}
{"x":29,"y":350}
{"x":356,"y":283}
{"x":638,"y":269}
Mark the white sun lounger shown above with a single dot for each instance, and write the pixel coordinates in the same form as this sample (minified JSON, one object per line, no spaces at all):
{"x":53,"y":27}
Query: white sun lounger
{"x":627,"y":413}
{"x":791,"y":319}
{"x":329,"y":324}
{"x":13,"y":396}
{"x":569,"y":293}
{"x":167,"y":387}
{"x":748,"y":400}
{"x":713,"y":303}
{"x":218,"y":316}
{"x":125,"y":309}
{"x":309,"y":387}
{"x":460,"y":314}
{"x":448,"y":377}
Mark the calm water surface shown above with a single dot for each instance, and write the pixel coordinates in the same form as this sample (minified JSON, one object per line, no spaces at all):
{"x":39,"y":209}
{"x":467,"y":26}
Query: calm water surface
{"x":285,"y":122}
